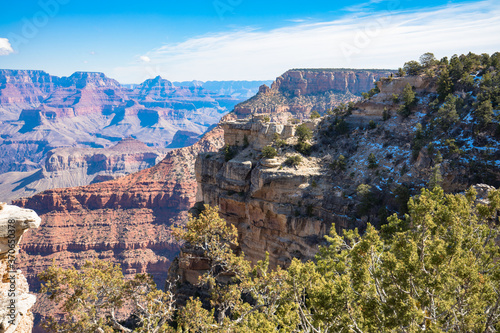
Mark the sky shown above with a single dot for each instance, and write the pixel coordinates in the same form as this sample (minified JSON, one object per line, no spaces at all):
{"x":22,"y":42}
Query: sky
{"x":133,"y":40}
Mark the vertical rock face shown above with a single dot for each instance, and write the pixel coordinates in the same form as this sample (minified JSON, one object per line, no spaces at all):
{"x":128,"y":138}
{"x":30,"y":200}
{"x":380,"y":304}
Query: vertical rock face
{"x":298,"y":92}
{"x":15,"y":299}
{"x":125,"y":220}
{"x":299,"y":82}
{"x":286,"y":209}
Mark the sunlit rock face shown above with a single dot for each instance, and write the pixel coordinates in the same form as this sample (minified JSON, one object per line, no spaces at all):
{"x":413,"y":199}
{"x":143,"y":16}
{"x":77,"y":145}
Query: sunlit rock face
{"x":15,"y":299}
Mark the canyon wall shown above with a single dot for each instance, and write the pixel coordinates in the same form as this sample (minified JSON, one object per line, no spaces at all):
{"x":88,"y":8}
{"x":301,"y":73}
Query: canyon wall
{"x":298,"y":92}
{"x":286,"y":209}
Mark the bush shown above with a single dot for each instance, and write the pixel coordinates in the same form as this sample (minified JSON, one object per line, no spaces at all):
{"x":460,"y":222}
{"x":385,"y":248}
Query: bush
{"x":412,"y":68}
{"x":266,"y":119}
{"x":269,"y":152}
{"x":386,"y":115}
{"x":278,"y":141}
{"x":409,"y":100}
{"x":294,"y":160}
{"x":303,"y":147}
{"x":303,"y":133}
{"x":372,"y":124}
{"x":372,"y":161}
{"x":315,"y":115}
{"x":339,"y":163}
{"x":229,"y":152}
{"x":341,"y":127}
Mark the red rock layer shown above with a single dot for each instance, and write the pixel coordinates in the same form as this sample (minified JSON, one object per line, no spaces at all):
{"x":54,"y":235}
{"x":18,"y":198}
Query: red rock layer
{"x":125,"y":220}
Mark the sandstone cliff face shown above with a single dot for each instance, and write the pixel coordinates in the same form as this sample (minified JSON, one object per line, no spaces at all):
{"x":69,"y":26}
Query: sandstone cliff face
{"x":125,"y":220}
{"x":299,"y":82}
{"x":286,"y":210}
{"x":15,"y":300}
{"x":298,"y":92}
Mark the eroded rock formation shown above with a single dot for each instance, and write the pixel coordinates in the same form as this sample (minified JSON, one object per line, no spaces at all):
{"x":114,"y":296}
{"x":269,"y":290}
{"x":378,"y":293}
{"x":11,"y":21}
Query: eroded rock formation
{"x":125,"y":220}
{"x":15,"y":300}
{"x":285,"y":210}
{"x":298,"y":92}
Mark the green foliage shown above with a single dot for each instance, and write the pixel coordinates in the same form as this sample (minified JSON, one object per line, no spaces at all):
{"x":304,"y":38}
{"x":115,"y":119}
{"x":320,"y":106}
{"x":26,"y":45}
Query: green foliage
{"x":92,"y":296}
{"x":401,"y":72}
{"x":278,"y":142}
{"x":229,"y":152}
{"x":372,"y":124}
{"x":303,"y":147}
{"x":266,"y":119}
{"x":412,"y":68}
{"x":366,"y":197}
{"x":303,"y":133}
{"x":371,"y":93}
{"x":452,"y":146}
{"x":434,"y":270}
{"x":447,"y":114}
{"x":386,"y":115}
{"x":315,"y":115}
{"x":269,"y":152}
{"x":293,"y":160}
{"x":409,"y":101}
{"x":341,"y":126}
{"x":401,"y":197}
{"x":419,"y":141}
{"x":484,"y":113}
{"x":339,"y":163}
{"x":436,"y":177}
{"x":372,"y":161}
{"x":427,"y":59}
{"x":395,"y":98}
{"x":444,"y":85}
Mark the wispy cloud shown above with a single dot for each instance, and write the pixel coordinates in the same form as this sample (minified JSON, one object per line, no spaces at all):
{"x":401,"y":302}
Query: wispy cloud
{"x":384,"y":39}
{"x":5,"y":47}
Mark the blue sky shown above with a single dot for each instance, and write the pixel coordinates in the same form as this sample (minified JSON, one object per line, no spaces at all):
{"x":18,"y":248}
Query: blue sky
{"x":236,"y":39}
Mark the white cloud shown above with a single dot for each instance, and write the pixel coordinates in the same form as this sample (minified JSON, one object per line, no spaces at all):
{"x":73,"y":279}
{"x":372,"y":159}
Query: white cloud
{"x":379,"y":40}
{"x":5,"y":47}
{"x":145,"y":58}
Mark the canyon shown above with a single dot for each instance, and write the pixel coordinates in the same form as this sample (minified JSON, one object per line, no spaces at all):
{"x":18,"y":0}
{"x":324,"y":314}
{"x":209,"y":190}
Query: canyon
{"x":127,"y":219}
{"x":357,"y":173}
{"x":44,"y":116}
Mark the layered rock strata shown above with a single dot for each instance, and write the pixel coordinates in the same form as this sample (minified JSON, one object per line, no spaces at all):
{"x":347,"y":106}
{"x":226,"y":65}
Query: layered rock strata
{"x":286,"y":209}
{"x":125,"y":220}
{"x":298,"y":92}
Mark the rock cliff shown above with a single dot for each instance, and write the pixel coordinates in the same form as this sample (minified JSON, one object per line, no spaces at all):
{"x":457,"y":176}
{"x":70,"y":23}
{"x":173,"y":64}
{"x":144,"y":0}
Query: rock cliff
{"x":125,"y":220}
{"x":15,"y":300}
{"x":298,"y":92}
{"x":285,"y":209}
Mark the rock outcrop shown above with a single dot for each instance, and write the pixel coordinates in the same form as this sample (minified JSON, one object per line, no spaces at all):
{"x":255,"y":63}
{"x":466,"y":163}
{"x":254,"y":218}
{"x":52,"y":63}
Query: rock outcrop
{"x":298,"y":92}
{"x":15,"y":300}
{"x":299,"y":82}
{"x":286,"y":209}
